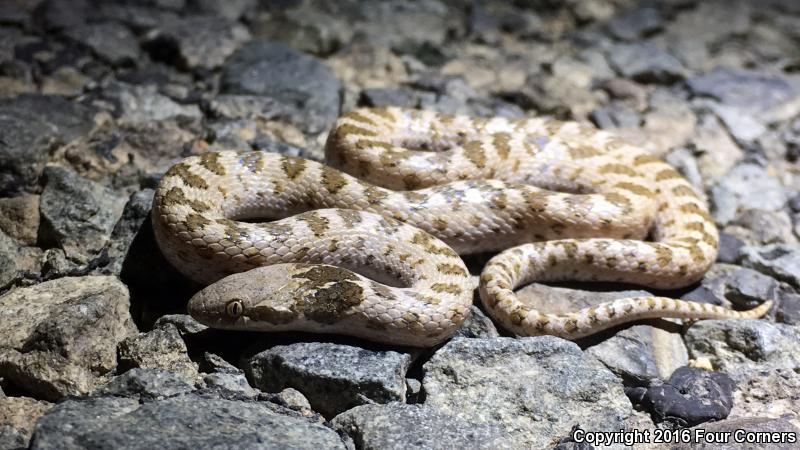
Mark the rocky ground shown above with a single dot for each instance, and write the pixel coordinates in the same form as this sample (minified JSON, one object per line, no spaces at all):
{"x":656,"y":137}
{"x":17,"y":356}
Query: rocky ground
{"x":97,"y":99}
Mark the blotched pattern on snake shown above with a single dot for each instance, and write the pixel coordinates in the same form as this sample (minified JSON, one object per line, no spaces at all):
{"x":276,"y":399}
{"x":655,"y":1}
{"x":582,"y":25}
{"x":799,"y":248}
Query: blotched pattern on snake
{"x":370,"y":248}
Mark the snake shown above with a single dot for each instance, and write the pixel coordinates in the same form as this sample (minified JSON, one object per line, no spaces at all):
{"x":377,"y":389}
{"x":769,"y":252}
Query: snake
{"x":369,"y":243}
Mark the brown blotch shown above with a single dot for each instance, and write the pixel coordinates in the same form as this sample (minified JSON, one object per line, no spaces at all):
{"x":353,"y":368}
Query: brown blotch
{"x":501,"y":143}
{"x":474,"y":151}
{"x":451,"y":269}
{"x":358,"y":117}
{"x":327,"y":304}
{"x":583,"y":151}
{"x":316,"y":223}
{"x":332,"y":179}
{"x":363,"y":144}
{"x":645,"y":159}
{"x":619,"y":200}
{"x":411,"y":181}
{"x":382,"y":112}
{"x":349,"y":217}
{"x":342,"y":131}
{"x":449,"y":288}
{"x":683,"y":191}
{"x":500,"y":201}
{"x":637,"y":189}
{"x":427,"y":242}
{"x":266,"y":313}
{"x":195,"y":222}
{"x":414,"y":197}
{"x":374,"y":194}
{"x":570,"y":248}
{"x":536,"y":201}
{"x":667,"y":174}
{"x":292,"y":166}
{"x":211,"y":162}
{"x":176,"y":196}
{"x":182,"y":171}
{"x":618,"y":169}
{"x":439,"y":224}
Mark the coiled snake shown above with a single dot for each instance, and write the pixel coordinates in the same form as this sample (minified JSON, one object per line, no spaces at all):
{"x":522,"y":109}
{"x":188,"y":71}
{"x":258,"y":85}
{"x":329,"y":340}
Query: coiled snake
{"x":370,"y":248}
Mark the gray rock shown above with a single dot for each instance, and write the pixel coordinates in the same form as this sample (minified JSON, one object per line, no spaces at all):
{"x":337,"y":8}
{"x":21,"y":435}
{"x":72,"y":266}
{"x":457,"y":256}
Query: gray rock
{"x":18,"y":265}
{"x":401,"y":426}
{"x":779,"y":261}
{"x":743,"y":347}
{"x":381,"y":97}
{"x":760,"y":227}
{"x":742,"y":125}
{"x":691,"y":396}
{"x":747,"y":288}
{"x":134,"y":214}
{"x":31,"y":125}
{"x":160,"y":348}
{"x":146,"y":385}
{"x":294,"y":400}
{"x":636,"y":24}
{"x":477,"y":325}
{"x":615,"y":115}
{"x":229,"y":384}
{"x":111,"y":41}
{"x":186,"y":324}
{"x":534,"y":388}
{"x":17,"y":418}
{"x":750,"y":425}
{"x":137,"y":104}
{"x":765,"y":95}
{"x":185,"y":421}
{"x":231,"y":10}
{"x":646,"y":62}
{"x":304,"y":84}
{"x":19,"y":218}
{"x":60,"y":14}
{"x":788,"y":310}
{"x":333,"y":377}
{"x":59,"y":338}
{"x":77,"y":215}
{"x":196,"y":42}
{"x":729,"y":248}
{"x":247,"y":107}
{"x":641,"y":353}
{"x":746,"y":186}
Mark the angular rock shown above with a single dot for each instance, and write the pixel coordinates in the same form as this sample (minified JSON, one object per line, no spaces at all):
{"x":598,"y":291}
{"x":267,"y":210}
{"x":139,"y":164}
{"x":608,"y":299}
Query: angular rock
{"x":18,"y":265}
{"x":647,"y":63}
{"x":17,"y":418}
{"x":761,"y":227}
{"x":747,"y":288}
{"x":31,"y":125}
{"x":161,"y":348}
{"x":779,"y":261}
{"x":641,"y":353}
{"x":770,"y":97}
{"x":112,"y":42}
{"x":77,"y":215}
{"x":185,"y":421}
{"x":137,"y":104}
{"x":19,"y":218}
{"x":59,"y":338}
{"x":729,"y":248}
{"x":401,"y":426}
{"x":333,"y":377}
{"x":382,"y":97}
{"x":690,"y":397}
{"x":302,"y":83}
{"x":636,"y":24}
{"x":788,"y":310}
{"x":746,"y":186}
{"x":134,"y":214}
{"x":477,"y":325}
{"x":196,"y":42}
{"x":146,"y":385}
{"x":229,"y":384}
{"x":533,"y":388}
{"x":742,"y":347}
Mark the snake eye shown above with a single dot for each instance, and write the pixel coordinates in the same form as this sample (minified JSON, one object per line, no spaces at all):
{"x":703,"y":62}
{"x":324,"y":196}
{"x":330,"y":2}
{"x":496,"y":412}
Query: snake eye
{"x":234,"y":308}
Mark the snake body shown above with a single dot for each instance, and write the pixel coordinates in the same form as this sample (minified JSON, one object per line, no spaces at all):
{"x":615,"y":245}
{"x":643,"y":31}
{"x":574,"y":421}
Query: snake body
{"x":368,"y":243}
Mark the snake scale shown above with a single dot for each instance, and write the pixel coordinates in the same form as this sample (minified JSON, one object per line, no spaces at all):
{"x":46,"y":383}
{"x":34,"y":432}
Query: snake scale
{"x":368,"y":244}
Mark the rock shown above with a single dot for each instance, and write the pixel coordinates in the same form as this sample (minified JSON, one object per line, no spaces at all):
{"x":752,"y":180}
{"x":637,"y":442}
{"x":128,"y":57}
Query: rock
{"x":137,"y":104}
{"x":146,"y":385}
{"x":641,"y":353}
{"x":636,"y":24}
{"x":77,"y":215}
{"x":400,"y":426}
{"x":746,"y":186}
{"x":234,"y":384}
{"x":747,"y":288}
{"x":18,"y":265}
{"x":718,"y":153}
{"x":758,"y":94}
{"x":759,"y":227}
{"x":333,"y":377}
{"x":59,"y":338}
{"x":292,"y":399}
{"x":742,"y":347}
{"x":779,"y":261}
{"x":231,"y":10}
{"x":60,"y":14}
{"x":690,"y":397}
{"x":646,"y":62}
{"x":382,"y":97}
{"x":31,"y":125}
{"x":477,"y":325}
{"x":685,"y":162}
{"x":742,"y":430}
{"x":729,"y":248}
{"x":161,"y":348}
{"x":111,"y":41}
{"x":247,"y":106}
{"x":185,"y":421}
{"x":134,"y":214}
{"x":187,"y":326}
{"x":303,"y":84}
{"x":196,"y":42}
{"x":615,"y":115}
{"x":742,"y":126}
{"x":17,"y":417}
{"x":19,"y":218}
{"x":788,"y":310}
{"x":534,"y":388}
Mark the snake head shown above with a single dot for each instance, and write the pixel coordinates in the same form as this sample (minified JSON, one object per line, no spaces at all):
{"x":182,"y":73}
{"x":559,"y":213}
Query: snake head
{"x":261,"y":299}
